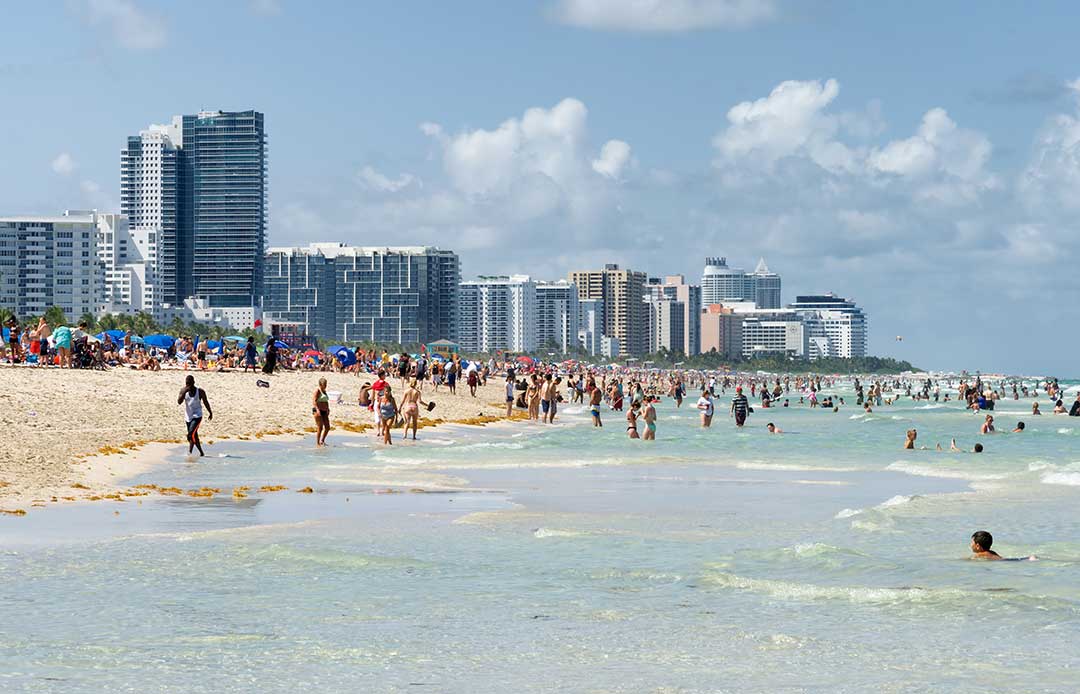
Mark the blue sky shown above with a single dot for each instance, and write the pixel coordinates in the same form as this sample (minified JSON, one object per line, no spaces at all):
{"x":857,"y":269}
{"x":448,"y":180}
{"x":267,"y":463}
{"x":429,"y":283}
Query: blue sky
{"x":921,"y":158}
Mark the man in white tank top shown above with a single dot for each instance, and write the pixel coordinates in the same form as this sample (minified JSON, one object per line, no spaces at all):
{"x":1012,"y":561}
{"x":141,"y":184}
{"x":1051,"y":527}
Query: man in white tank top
{"x":194,"y":400}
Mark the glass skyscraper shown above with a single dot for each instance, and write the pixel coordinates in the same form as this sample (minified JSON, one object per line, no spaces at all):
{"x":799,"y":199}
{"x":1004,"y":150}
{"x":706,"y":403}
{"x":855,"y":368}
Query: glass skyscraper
{"x":201,"y":182}
{"x":223,"y":211}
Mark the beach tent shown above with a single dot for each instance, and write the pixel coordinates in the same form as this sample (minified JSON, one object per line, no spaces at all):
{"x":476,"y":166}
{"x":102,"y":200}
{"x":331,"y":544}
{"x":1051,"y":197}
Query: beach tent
{"x":344,"y":354}
{"x":213,"y":346}
{"x":313,"y":353}
{"x":162,"y":341}
{"x":442,"y":347}
{"x":115,"y":335}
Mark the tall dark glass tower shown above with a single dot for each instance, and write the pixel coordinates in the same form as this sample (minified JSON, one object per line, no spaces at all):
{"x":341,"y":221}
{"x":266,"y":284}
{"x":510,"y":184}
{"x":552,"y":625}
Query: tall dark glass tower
{"x":200,"y":182}
{"x":223,"y":206}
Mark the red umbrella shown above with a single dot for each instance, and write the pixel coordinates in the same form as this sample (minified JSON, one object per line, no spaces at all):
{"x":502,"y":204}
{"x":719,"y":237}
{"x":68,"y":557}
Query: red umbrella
{"x":312,"y":353}
{"x":525,"y":360}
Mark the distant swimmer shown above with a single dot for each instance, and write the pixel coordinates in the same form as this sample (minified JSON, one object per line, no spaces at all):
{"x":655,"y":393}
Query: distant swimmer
{"x":981,"y":541}
{"x":1019,"y":428}
{"x":773,"y":429}
{"x":988,"y":425}
{"x":1035,"y":408}
{"x":978,"y":448}
{"x":909,"y":443}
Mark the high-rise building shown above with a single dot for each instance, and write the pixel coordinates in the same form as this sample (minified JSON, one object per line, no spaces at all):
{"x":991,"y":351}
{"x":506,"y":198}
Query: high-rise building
{"x":149,"y":170}
{"x":403,"y":295}
{"x":766,"y":286}
{"x":689,"y":295}
{"x":721,"y":284}
{"x":223,"y":171}
{"x":299,"y":289}
{"x":721,"y":331}
{"x":591,"y":325}
{"x":497,"y":314}
{"x":51,"y":261}
{"x":557,"y":316}
{"x":835,"y":326}
{"x":624,"y":313}
{"x":201,"y":183}
{"x":665,"y":321}
{"x":129,"y":260}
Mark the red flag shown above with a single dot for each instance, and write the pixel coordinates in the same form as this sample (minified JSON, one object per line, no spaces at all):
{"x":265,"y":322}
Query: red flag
{"x":258,"y":322}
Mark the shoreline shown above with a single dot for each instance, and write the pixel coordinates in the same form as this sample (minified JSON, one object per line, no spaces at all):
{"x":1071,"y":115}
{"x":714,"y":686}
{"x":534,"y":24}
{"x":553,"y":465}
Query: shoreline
{"x":95,"y":429}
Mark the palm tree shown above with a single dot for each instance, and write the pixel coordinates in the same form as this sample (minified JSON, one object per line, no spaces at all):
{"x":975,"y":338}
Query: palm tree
{"x":91,"y":322}
{"x":143,"y":323}
{"x":54,"y":316}
{"x":107,"y":322}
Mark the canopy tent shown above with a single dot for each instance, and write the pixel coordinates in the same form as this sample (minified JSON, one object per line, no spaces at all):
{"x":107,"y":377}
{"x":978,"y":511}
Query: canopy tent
{"x":162,"y":341}
{"x":442,"y":346}
{"x":214,"y":346}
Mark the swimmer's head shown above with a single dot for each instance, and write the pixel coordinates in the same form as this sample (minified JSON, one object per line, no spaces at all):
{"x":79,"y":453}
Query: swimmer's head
{"x":1020,"y":426}
{"x":978,"y":448}
{"x":981,"y":541}
{"x":770,"y":426}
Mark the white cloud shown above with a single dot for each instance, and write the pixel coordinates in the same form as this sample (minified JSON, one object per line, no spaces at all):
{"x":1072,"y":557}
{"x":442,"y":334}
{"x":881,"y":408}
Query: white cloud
{"x":132,"y":26}
{"x":380,"y":183}
{"x":614,"y":156}
{"x":939,"y":146}
{"x":96,"y":197}
{"x":663,"y":15}
{"x":64,"y":164}
{"x":266,"y":7}
{"x":1052,"y":178}
{"x":790,"y":121}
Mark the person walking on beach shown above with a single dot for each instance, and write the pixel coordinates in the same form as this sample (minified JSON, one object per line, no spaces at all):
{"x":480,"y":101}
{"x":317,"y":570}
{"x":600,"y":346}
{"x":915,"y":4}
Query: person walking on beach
{"x":705,"y":406}
{"x":250,"y":353}
{"x":510,"y":395}
{"x":320,"y":409}
{"x":270,"y":358}
{"x":410,"y":408}
{"x":649,"y":415}
{"x":740,"y":407}
{"x":194,"y":399}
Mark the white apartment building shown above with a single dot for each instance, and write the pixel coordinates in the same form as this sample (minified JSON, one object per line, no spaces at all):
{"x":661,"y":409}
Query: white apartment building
{"x":665,"y":321}
{"x":50,"y":261}
{"x":610,"y":347}
{"x":498,"y":314}
{"x":557,"y":315}
{"x":835,"y":326}
{"x":590,"y":325}
{"x":773,"y":331}
{"x":129,"y":260}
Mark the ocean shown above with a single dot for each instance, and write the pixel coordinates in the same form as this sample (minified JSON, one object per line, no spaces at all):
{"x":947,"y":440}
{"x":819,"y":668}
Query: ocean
{"x":571,"y":559}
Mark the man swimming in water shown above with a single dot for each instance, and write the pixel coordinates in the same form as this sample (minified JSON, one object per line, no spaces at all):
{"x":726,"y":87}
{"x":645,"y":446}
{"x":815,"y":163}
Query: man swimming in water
{"x":981,"y":542}
{"x":773,"y":429}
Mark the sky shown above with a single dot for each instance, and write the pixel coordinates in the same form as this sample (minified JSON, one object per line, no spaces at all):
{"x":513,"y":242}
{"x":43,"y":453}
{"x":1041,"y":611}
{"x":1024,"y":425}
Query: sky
{"x":920,"y":158}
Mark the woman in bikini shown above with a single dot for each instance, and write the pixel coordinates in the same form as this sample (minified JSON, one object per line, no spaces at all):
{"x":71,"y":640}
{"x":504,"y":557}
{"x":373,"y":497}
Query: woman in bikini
{"x":320,"y":409}
{"x":410,"y":409}
{"x":631,"y":421}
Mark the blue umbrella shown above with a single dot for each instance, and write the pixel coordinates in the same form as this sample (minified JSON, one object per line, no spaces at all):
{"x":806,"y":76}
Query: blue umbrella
{"x":344,"y":354}
{"x":334,"y":349}
{"x":235,"y":338}
{"x":136,"y":340}
{"x":116,"y":335}
{"x":163,"y":341}
{"x":213,"y":346}
{"x":281,"y":345}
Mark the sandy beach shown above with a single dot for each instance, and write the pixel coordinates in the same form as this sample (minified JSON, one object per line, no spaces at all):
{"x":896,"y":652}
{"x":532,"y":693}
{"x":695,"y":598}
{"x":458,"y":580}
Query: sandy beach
{"x":73,"y":434}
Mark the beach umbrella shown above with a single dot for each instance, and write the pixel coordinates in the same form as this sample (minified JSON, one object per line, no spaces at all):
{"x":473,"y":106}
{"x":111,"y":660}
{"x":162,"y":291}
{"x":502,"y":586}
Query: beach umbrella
{"x":345,"y":355}
{"x":313,"y":353}
{"x":281,"y":345}
{"x":334,"y":349}
{"x":163,"y":341}
{"x":525,"y":360}
{"x":136,"y":340}
{"x":116,"y":335}
{"x":214,"y":346}
{"x":234,"y":338}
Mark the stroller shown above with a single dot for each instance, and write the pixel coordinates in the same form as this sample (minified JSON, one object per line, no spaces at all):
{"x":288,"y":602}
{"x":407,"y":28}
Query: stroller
{"x":84,"y":356}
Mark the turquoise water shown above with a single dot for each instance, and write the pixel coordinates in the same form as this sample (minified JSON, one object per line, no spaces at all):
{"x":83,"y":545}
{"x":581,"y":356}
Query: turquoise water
{"x":570,"y":559}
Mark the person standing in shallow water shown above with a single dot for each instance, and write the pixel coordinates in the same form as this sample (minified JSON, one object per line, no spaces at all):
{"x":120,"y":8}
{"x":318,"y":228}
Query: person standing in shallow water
{"x":649,"y":415}
{"x":320,"y":409}
{"x":194,"y":399}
